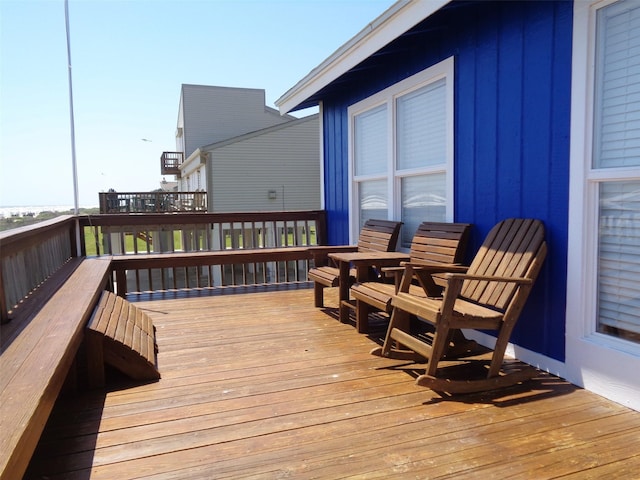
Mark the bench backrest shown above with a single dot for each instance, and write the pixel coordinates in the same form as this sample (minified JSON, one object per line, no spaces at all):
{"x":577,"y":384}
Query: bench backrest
{"x":514,"y":248}
{"x":124,"y":337}
{"x":379,"y":236}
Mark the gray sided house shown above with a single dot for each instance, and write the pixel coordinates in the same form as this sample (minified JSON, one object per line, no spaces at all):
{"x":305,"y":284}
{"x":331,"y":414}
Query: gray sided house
{"x":246,"y":155}
{"x":209,"y":114}
{"x":276,"y":168}
{"x":476,"y":111}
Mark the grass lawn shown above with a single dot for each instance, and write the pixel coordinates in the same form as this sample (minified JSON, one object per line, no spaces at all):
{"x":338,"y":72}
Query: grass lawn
{"x":90,"y":240}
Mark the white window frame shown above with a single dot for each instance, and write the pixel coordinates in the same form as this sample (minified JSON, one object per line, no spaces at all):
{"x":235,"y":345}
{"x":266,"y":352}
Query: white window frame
{"x":388,"y":96}
{"x":601,"y":363}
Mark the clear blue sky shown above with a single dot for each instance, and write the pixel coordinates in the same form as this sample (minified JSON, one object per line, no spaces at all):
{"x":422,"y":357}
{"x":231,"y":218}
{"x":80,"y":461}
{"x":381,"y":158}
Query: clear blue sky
{"x":129,"y":59}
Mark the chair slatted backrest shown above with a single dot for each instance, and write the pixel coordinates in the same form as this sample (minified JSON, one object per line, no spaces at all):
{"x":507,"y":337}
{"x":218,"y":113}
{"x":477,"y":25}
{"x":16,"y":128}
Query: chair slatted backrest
{"x":510,"y":250}
{"x":443,"y":243}
{"x":439,"y":243}
{"x":379,"y":236}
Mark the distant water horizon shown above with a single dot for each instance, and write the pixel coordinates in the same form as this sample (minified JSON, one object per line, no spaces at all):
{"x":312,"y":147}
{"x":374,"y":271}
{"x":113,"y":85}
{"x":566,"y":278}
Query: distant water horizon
{"x":23,"y":210}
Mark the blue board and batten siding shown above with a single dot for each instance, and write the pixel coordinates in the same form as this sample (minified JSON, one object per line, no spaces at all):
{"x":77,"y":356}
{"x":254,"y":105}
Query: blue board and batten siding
{"x":511,"y":140}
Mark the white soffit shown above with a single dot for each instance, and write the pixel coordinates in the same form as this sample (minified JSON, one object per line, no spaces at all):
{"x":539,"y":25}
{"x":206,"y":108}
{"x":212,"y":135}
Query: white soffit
{"x":400,"y":17}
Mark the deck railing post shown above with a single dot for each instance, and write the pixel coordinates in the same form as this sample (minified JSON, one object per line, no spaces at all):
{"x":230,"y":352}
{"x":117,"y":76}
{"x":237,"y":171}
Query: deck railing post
{"x":4,"y":315}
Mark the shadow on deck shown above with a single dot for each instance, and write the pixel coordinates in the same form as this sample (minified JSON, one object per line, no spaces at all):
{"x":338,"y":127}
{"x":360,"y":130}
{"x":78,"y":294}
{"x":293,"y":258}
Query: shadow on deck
{"x":264,"y":385}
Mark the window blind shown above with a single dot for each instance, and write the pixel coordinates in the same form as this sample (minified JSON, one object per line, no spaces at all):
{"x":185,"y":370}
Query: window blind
{"x":370,"y":149}
{"x":421,"y":127}
{"x":617,"y":96}
{"x":619,"y":255}
{"x":617,"y":144}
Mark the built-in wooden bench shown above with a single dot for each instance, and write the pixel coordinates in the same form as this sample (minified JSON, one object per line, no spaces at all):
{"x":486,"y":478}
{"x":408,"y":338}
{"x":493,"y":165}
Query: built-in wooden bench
{"x":38,"y":349}
{"x":123,"y":336}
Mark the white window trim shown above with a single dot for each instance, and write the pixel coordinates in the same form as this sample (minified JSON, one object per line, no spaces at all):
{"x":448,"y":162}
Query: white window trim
{"x":598,"y":362}
{"x":443,"y":69}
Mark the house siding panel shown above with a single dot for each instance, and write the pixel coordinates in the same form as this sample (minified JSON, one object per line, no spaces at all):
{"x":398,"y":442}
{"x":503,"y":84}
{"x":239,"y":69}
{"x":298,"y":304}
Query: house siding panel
{"x":212,"y":114}
{"x":282,"y":159}
{"x":512,"y":94}
{"x":336,"y":172}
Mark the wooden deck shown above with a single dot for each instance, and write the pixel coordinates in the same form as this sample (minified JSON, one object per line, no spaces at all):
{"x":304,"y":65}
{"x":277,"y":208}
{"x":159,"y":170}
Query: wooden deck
{"x":264,"y":385}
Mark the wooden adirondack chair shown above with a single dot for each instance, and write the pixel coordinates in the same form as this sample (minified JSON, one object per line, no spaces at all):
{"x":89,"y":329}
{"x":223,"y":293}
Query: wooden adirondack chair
{"x":376,"y":235}
{"x":489,"y":296}
{"x":433,"y":244}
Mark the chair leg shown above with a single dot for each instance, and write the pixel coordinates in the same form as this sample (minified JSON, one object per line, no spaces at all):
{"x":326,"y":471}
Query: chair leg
{"x":318,"y":294}
{"x":400,"y":320}
{"x":345,"y":310}
{"x":497,"y":356}
{"x":362,"y":316}
{"x":441,"y":339}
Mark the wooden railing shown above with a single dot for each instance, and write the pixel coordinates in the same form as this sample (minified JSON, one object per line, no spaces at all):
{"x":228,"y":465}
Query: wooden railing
{"x":273,"y":247}
{"x":29,"y":255}
{"x":159,"y":233}
{"x":152,"y":202}
{"x":256,"y":234}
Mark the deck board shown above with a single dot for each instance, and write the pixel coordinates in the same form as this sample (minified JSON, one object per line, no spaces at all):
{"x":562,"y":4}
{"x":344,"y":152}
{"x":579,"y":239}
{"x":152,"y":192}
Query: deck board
{"x":264,"y":385}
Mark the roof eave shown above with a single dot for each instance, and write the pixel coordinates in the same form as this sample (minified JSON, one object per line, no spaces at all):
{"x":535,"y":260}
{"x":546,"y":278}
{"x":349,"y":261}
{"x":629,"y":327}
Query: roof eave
{"x":256,"y":133}
{"x":397,"y":19}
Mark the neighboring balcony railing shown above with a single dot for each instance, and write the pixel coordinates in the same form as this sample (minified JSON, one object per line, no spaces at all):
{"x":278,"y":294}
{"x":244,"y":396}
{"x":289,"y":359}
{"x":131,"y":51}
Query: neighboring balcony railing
{"x":152,"y":202}
{"x":170,"y":163}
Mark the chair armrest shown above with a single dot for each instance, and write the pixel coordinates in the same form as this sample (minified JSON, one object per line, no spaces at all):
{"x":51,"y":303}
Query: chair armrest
{"x":423,"y":273}
{"x":428,"y":269}
{"x":396,"y":273}
{"x":391,"y":271}
{"x":438,"y":267}
{"x":454,"y":287}
{"x":327,"y":249}
{"x":320,"y":253}
{"x":490,"y":278}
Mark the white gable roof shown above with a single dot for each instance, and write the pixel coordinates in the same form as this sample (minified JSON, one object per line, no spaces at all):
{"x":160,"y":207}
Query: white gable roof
{"x":400,"y":17}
